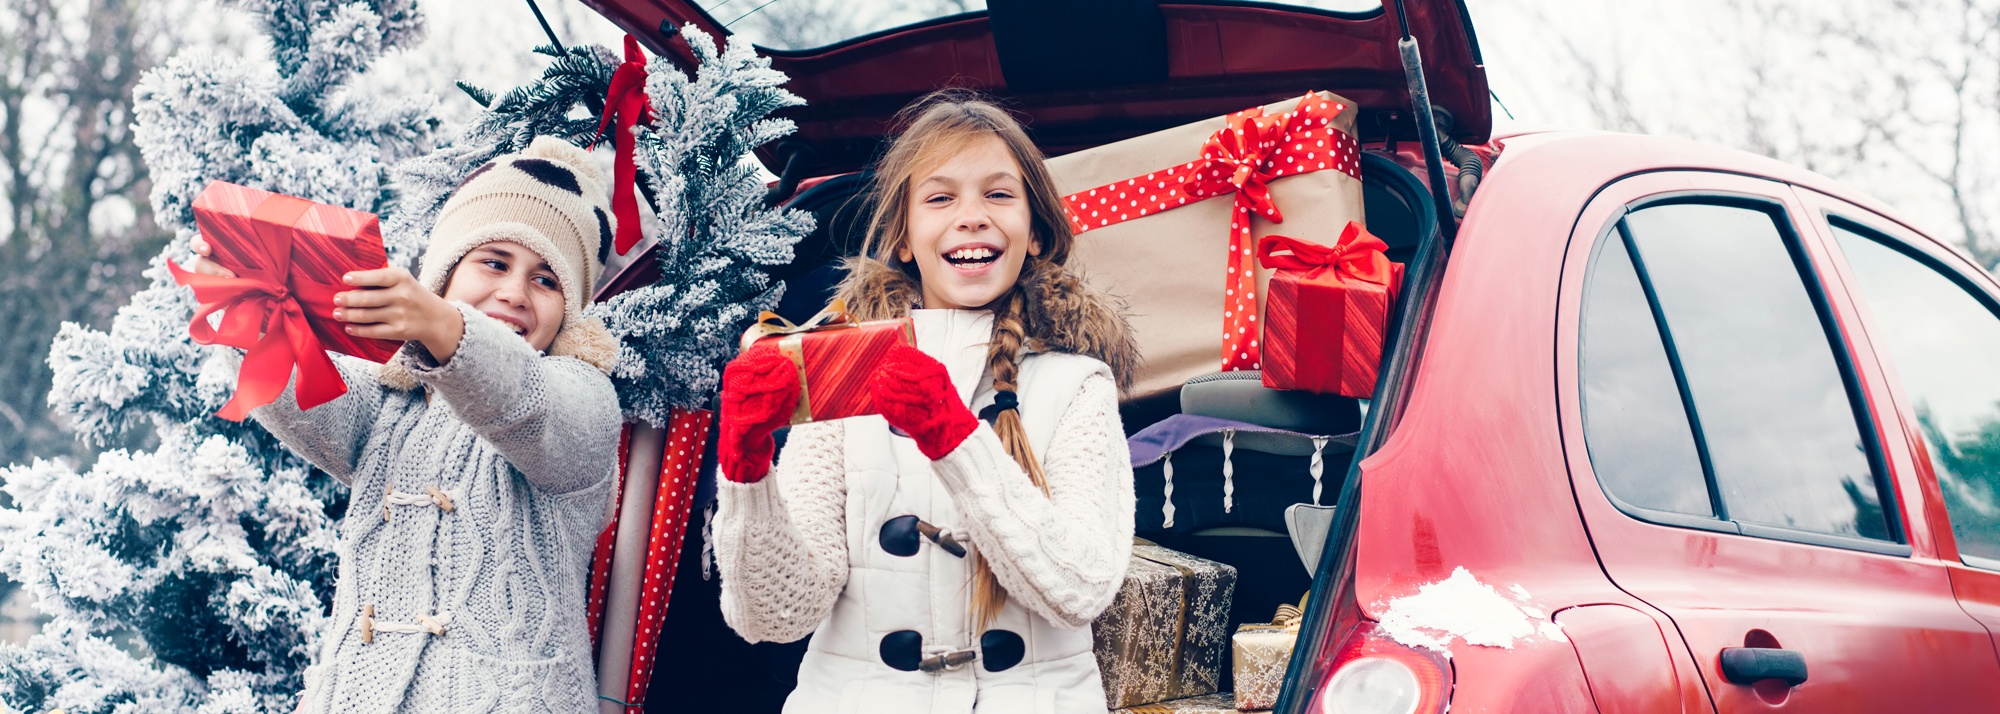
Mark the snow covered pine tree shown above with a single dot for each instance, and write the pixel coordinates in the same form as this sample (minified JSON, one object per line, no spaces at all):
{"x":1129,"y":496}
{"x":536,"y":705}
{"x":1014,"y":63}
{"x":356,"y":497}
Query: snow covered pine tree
{"x":215,"y":551}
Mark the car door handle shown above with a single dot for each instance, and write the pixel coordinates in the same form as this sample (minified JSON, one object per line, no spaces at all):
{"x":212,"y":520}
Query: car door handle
{"x":1749,"y":665}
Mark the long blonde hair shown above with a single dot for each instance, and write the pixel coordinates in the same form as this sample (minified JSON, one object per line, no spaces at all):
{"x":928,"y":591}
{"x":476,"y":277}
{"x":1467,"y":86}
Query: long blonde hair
{"x":937,"y":126}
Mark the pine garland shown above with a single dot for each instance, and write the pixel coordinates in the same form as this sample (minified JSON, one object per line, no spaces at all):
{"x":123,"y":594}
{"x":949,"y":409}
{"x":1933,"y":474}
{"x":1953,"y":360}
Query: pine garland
{"x":718,"y":239}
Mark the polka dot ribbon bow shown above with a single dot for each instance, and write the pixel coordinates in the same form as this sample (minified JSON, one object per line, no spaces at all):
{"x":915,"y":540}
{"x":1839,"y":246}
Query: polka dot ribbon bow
{"x":1243,"y":158}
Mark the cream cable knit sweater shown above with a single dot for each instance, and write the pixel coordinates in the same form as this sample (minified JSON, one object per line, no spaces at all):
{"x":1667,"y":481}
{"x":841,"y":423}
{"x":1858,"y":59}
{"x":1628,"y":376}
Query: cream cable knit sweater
{"x":782,"y":542}
{"x":523,"y":448}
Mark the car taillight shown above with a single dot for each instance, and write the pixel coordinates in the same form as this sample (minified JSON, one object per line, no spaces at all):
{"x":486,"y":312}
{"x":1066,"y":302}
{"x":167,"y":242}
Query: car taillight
{"x":1373,"y":674}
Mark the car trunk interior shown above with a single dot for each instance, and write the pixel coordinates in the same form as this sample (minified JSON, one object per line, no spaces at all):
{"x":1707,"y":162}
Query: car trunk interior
{"x":1270,"y":571}
{"x":1079,"y":79}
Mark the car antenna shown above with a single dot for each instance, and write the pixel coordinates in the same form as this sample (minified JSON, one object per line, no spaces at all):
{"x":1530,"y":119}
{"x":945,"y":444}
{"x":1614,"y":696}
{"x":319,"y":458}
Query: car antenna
{"x":753,"y":11}
{"x":546,"y":29}
{"x":1427,"y":132}
{"x":1503,"y":105}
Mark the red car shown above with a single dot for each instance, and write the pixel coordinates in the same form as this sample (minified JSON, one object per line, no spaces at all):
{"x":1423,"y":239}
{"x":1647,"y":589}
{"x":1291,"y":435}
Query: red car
{"x":1663,"y":427}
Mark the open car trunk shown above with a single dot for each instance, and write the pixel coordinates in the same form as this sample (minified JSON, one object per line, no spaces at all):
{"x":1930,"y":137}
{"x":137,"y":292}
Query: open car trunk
{"x":1089,"y":73}
{"x":1082,"y":75}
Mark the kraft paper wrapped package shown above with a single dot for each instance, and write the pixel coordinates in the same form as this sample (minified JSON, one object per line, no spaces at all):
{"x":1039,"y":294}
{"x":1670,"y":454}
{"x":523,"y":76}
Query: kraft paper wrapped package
{"x":1259,"y":655}
{"x":1165,"y":634}
{"x":835,"y":354}
{"x":1168,"y":221}
{"x":1205,"y":704}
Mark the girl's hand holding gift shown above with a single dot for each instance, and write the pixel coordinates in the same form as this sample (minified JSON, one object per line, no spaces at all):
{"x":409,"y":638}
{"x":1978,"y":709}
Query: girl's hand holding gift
{"x":915,"y":395}
{"x":760,"y":388}
{"x":392,"y":305}
{"x":202,"y":264}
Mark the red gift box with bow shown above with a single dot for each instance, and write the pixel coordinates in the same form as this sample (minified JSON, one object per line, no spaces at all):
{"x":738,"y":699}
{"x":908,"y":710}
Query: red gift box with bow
{"x":1169,"y":221}
{"x":1327,"y":311}
{"x":836,"y":356}
{"x":288,"y":255}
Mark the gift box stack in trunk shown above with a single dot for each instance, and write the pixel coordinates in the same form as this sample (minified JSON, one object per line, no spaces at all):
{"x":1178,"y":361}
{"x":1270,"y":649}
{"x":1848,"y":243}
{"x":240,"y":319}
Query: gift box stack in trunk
{"x":1171,"y":221}
{"x":1239,"y":244}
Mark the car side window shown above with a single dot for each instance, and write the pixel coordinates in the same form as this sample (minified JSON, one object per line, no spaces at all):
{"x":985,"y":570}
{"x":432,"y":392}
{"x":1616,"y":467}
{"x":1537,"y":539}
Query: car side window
{"x":1737,"y":390}
{"x":1943,"y":338}
{"x":1640,"y":442}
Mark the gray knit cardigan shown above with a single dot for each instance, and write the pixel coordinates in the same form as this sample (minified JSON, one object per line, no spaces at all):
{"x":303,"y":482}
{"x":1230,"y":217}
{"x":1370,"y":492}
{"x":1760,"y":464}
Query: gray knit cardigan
{"x":521,"y":449}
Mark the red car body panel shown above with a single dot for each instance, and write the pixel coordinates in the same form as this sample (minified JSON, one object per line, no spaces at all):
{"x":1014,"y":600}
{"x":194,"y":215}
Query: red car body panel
{"x":1486,"y":469}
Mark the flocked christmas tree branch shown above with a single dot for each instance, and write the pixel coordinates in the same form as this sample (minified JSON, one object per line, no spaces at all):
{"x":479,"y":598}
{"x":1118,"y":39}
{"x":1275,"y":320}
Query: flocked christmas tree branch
{"x":216,"y":550}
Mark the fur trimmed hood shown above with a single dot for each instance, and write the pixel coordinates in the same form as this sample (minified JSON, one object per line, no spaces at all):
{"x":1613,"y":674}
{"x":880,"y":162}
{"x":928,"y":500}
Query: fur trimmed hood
{"x":1063,"y":314}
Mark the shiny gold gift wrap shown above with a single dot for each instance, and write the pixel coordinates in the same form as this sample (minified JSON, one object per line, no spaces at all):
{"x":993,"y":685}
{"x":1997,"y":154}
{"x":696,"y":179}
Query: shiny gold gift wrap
{"x":1165,"y":633}
{"x":1259,"y":654}
{"x":1205,"y":704}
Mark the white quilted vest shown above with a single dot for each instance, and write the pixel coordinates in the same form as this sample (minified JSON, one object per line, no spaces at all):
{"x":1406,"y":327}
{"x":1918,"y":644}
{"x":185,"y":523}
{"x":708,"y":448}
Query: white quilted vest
{"x":898,"y":609}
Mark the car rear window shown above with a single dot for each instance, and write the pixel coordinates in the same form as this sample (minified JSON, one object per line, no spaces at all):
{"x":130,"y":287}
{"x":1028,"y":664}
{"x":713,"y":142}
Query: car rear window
{"x":1942,"y":338}
{"x":1759,"y":389}
{"x":808,"y":24}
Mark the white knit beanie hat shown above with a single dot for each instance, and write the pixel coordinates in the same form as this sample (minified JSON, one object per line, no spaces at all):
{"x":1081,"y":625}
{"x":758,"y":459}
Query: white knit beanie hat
{"x":553,"y":200}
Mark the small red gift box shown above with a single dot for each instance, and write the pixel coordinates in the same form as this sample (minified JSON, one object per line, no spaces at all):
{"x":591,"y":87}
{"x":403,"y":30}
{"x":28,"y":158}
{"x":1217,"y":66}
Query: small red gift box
{"x":836,"y":356}
{"x":1326,"y":312}
{"x":288,"y":255}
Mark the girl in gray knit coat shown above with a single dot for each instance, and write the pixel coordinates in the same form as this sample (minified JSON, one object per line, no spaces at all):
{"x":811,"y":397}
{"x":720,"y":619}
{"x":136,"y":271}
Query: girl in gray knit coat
{"x":480,"y":458}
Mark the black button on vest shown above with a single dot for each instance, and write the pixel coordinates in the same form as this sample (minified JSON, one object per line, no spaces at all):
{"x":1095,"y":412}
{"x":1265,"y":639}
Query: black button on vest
{"x":902,"y":536}
{"x":903,"y":650}
{"x":1000,"y":650}
{"x":899,"y":536}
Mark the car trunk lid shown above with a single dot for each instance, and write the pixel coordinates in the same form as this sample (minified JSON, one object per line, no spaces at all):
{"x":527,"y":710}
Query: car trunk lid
{"x":1085,"y":74}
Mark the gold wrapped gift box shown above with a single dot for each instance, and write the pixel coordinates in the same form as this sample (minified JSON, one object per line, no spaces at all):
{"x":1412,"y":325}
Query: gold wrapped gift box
{"x":1165,"y":633}
{"x":1260,"y":654}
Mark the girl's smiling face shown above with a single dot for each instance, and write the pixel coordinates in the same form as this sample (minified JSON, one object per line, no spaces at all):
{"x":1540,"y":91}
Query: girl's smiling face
{"x":511,"y":284}
{"x":970,"y":226}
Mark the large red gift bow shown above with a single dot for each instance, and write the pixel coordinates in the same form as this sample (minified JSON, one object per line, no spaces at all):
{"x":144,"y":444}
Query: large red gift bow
{"x":1253,"y":150}
{"x":625,"y":105}
{"x":261,"y":316}
{"x":1356,"y":256}
{"x":680,"y":468}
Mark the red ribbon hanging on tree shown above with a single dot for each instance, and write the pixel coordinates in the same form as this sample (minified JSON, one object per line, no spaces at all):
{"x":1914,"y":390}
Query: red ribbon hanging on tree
{"x":1358,"y":255}
{"x":1242,"y":158}
{"x":625,"y":105}
{"x":264,"y":318}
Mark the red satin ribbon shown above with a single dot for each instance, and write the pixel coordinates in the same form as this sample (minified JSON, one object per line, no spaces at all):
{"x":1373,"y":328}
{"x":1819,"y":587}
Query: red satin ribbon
{"x":625,"y":105}
{"x":262,"y":316}
{"x":1358,"y":255}
{"x":1253,"y":150}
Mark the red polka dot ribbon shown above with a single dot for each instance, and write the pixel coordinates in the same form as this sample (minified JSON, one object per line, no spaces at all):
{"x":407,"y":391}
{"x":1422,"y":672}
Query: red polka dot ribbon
{"x":1253,"y":150}
{"x":680,"y":471}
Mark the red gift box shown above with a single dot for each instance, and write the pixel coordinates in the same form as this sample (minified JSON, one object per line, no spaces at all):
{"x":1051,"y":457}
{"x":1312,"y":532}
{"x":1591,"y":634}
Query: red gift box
{"x":835,"y":355}
{"x":288,"y":255}
{"x":1326,"y":312}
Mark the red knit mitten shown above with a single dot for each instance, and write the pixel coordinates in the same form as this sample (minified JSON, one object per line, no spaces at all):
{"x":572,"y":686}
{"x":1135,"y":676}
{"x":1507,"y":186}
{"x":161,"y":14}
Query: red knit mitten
{"x":760,"y":388}
{"x":914,"y":393}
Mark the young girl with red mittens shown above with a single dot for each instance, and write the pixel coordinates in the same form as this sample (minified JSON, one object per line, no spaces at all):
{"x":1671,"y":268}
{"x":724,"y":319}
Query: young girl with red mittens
{"x":950,"y":554}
